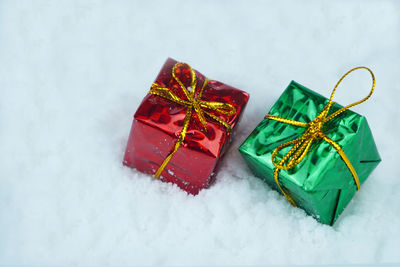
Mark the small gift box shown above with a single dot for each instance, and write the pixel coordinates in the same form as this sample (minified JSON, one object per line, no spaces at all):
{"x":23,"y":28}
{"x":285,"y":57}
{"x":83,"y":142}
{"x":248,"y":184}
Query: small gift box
{"x":312,"y":150}
{"x":183,"y":127}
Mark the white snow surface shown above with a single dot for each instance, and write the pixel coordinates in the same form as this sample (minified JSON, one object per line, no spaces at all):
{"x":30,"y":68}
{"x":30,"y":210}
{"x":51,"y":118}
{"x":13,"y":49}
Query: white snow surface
{"x":72,"y":74}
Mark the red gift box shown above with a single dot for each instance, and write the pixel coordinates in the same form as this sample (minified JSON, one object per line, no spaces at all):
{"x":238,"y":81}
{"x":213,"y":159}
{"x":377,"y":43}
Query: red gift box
{"x":158,"y":143}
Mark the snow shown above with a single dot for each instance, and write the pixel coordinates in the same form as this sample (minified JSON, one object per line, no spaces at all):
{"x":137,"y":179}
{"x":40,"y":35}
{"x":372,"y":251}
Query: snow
{"x":73,"y":72}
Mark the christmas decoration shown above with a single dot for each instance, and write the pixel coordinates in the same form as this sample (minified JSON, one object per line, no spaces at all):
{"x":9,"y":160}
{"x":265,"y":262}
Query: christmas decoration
{"x":312,"y":150}
{"x":183,"y":127}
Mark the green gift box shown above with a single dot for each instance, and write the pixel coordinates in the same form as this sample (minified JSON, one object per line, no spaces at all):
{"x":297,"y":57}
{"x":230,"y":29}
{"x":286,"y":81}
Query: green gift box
{"x":321,"y":183}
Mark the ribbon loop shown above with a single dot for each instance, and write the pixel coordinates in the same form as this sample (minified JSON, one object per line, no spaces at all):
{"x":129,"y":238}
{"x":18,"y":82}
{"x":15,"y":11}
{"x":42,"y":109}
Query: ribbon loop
{"x":357,"y":102}
{"x":300,"y":146}
{"x":193,"y":103}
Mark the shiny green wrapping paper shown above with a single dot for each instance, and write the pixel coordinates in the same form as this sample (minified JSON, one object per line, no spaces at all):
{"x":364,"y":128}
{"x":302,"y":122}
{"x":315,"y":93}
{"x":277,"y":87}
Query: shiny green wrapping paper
{"x":321,"y":184}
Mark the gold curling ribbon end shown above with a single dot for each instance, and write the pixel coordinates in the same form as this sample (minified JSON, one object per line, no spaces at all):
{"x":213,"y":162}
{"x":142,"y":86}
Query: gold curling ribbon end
{"x":194,"y":104}
{"x":300,"y":146}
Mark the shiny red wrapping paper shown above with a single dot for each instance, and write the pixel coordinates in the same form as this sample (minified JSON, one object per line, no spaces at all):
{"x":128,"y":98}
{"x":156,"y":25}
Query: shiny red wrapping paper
{"x":158,"y":122}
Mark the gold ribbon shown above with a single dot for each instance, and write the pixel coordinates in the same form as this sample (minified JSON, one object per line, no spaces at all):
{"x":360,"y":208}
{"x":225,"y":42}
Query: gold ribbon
{"x":301,"y":145}
{"x":193,"y":103}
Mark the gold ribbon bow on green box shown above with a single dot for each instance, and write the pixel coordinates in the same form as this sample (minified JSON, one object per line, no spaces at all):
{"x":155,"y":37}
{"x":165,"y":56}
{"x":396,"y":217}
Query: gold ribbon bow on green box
{"x":316,"y":159}
{"x":301,"y":145}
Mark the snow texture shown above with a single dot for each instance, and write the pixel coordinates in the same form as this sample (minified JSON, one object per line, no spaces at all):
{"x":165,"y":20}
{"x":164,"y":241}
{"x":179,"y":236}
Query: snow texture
{"x":73,"y":72}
